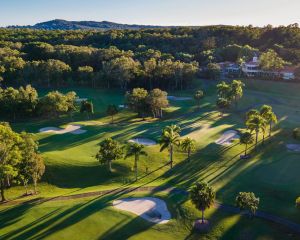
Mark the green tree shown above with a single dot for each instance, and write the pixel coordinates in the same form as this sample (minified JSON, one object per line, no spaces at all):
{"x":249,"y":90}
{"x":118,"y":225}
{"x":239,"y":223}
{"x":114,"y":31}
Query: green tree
{"x":110,"y":150}
{"x":188,"y":145}
{"x":270,"y":117}
{"x":223,"y":104}
{"x":112,"y":110}
{"x":28,"y":150}
{"x":37,"y":169}
{"x":203,"y":197}
{"x":55,"y":71}
{"x":198,"y":96}
{"x":55,"y":103}
{"x":10,"y":156}
{"x":247,"y":201}
{"x":86,"y":75}
{"x":123,"y":70}
{"x":236,"y":92}
{"x":256,"y":124}
{"x":270,"y":60}
{"x":246,"y":139}
{"x":298,"y":203}
{"x":87,"y":107}
{"x":2,"y":71}
{"x":136,"y":150}
{"x":252,"y":113}
{"x":136,"y":101}
{"x":213,"y":70}
{"x":170,"y":137}
{"x":157,"y":100}
{"x":223,"y":90}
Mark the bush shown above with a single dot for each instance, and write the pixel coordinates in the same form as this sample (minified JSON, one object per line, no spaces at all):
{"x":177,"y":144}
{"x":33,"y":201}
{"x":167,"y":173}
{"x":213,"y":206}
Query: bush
{"x":298,"y":203}
{"x":296,"y":133}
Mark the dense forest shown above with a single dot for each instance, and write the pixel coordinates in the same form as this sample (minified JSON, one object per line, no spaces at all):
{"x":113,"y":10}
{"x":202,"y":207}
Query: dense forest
{"x":167,"y":58}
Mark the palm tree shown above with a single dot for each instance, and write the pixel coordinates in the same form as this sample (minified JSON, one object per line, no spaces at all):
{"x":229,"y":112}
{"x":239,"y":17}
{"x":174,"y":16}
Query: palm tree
{"x":198,"y":96}
{"x":256,"y":123}
{"x":246,"y":139}
{"x":188,"y":145}
{"x":203,"y":197}
{"x":136,"y":150}
{"x":170,"y":138}
{"x":267,"y":113}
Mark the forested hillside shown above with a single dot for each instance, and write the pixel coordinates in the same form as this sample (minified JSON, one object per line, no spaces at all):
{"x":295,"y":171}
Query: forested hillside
{"x":164,"y":58}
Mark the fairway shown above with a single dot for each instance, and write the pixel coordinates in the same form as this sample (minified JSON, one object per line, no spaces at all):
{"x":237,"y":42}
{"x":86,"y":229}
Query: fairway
{"x":71,"y":168}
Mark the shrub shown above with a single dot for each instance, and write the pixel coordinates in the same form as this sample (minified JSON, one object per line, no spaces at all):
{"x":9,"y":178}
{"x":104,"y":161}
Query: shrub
{"x":298,"y":203}
{"x":296,"y":133}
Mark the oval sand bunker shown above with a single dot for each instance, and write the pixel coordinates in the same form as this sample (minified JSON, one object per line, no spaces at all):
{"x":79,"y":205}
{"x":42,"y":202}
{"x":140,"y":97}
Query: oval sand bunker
{"x":227,"y":138}
{"x":143,"y":141}
{"x":151,"y":209}
{"x":73,"y":129}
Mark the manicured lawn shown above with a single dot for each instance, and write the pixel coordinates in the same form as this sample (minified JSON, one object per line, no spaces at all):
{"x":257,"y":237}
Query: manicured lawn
{"x":95,"y":218}
{"x":272,"y":173}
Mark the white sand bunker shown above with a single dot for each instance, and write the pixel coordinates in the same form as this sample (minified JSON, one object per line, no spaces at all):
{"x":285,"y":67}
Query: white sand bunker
{"x":79,"y":100}
{"x":293,"y":147}
{"x":151,"y":209}
{"x":143,"y":141}
{"x":173,"y":98}
{"x":227,"y":138}
{"x":73,"y":129}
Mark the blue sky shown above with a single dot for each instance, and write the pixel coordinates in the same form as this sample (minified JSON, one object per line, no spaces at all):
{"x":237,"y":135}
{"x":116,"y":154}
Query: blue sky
{"x":156,"y":12}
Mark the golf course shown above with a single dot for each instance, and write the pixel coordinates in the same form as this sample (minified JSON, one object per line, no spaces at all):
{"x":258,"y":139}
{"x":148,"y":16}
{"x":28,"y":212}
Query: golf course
{"x":76,"y":193}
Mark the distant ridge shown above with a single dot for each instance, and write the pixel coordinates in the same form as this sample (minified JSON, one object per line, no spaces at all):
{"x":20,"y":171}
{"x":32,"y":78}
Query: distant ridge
{"x":59,"y":24}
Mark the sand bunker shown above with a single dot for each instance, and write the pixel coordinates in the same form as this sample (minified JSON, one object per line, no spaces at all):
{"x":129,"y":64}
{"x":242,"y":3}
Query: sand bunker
{"x":227,"y":138}
{"x":151,"y":209}
{"x":293,"y":147}
{"x":79,"y":100}
{"x":173,"y":98}
{"x":143,"y":141}
{"x":73,"y":129}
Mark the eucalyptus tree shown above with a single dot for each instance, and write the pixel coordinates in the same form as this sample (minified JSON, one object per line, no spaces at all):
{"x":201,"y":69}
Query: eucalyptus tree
{"x":136,"y":150}
{"x":28,"y":149}
{"x":170,"y":138}
{"x":112,"y":110}
{"x":10,"y":156}
{"x":137,"y":101}
{"x":157,"y":100}
{"x":37,"y":169}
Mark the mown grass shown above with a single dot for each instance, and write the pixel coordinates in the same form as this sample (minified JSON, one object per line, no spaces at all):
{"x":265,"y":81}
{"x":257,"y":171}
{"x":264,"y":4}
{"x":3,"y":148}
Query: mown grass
{"x":95,"y":218}
{"x":272,"y":172}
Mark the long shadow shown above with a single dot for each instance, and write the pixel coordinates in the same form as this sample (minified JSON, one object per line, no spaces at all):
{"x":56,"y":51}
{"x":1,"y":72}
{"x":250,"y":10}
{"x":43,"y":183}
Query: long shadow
{"x":11,"y":215}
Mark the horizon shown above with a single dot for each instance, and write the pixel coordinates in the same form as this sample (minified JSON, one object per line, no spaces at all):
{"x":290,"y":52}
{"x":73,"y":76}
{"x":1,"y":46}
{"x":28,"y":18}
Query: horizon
{"x":168,"y":13}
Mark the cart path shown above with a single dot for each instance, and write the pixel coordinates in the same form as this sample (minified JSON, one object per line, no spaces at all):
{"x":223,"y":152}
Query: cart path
{"x":124,"y":190}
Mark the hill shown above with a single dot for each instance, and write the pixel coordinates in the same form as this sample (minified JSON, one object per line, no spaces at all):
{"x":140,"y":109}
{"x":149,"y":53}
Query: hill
{"x":59,"y":24}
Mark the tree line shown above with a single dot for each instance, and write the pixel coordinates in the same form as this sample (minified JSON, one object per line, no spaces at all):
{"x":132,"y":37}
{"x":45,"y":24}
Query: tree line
{"x":148,"y":58}
{"x":20,"y":161}
{"x":24,"y":102}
